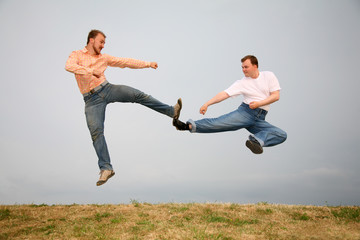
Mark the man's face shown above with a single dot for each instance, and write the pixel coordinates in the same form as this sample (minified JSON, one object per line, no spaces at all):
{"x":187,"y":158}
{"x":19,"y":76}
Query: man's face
{"x":98,"y":43}
{"x":249,"y":70}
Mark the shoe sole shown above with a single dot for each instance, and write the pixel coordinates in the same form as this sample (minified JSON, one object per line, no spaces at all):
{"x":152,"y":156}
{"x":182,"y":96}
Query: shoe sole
{"x":257,"y":149}
{"x":180,"y":104}
{"x":99,"y":183}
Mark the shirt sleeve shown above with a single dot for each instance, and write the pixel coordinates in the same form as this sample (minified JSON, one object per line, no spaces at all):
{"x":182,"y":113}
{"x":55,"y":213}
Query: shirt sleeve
{"x":73,"y":66}
{"x":274,"y":84}
{"x":235,"y":89}
{"x":126,"y":62}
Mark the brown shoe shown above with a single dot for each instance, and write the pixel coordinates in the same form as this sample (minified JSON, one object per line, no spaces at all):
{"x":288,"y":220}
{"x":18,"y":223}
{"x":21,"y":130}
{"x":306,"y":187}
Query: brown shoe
{"x":104,"y":176}
{"x":254,"y":146}
{"x":180,"y":125}
{"x":177,"y":109}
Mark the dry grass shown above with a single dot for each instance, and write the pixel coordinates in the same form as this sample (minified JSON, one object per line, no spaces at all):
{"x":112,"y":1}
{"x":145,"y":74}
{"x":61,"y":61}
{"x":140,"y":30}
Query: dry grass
{"x":179,"y":221}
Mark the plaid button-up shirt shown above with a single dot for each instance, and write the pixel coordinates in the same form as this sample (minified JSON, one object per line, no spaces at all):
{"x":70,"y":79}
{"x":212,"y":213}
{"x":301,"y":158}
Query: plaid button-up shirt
{"x":82,"y":64}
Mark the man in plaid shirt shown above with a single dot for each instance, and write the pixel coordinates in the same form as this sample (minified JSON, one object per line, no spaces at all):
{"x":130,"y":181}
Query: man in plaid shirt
{"x":89,"y":65}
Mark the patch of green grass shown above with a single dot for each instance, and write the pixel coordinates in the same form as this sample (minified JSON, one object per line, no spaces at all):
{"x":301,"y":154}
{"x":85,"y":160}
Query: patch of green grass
{"x":266,"y":211}
{"x":143,"y":227}
{"x":18,"y":215}
{"x":301,"y":217}
{"x":26,"y":230}
{"x":180,"y":209}
{"x":81,"y":230}
{"x":143,"y":215}
{"x":199,"y":233}
{"x":4,"y":214}
{"x":146,"y":226}
{"x":100,"y":216}
{"x":38,"y":205}
{"x":118,"y":219}
{"x":4,"y":236}
{"x":347,"y":213}
{"x":48,"y":229}
{"x":240,"y":222}
{"x":214,"y":217}
{"x":145,"y":222}
{"x":188,"y":217}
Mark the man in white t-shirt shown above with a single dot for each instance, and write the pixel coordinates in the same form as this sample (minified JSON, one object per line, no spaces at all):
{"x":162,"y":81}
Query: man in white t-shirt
{"x":259,"y":89}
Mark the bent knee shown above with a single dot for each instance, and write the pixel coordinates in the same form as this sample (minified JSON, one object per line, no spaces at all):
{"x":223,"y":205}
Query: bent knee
{"x":283,"y":135}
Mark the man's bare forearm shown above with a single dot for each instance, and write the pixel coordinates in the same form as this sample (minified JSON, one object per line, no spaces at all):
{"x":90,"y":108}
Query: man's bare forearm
{"x":221,"y":96}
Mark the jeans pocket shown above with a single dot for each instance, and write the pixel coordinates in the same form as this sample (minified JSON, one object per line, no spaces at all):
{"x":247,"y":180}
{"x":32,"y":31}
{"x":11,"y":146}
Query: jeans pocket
{"x":86,"y":98}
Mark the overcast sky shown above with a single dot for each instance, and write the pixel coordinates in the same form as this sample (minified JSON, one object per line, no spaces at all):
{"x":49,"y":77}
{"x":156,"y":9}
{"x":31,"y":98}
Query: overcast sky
{"x":312,"y":47}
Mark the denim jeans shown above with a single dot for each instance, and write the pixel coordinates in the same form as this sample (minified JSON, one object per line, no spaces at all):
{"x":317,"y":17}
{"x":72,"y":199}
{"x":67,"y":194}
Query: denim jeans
{"x":244,"y":117}
{"x":95,"y":106}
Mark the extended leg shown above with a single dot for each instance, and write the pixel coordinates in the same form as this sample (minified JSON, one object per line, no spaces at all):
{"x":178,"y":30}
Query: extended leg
{"x":229,"y":122}
{"x":122,"y":93}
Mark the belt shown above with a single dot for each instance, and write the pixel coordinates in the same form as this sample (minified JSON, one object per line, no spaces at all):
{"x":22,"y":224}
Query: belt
{"x":95,"y":89}
{"x":262,"y":112}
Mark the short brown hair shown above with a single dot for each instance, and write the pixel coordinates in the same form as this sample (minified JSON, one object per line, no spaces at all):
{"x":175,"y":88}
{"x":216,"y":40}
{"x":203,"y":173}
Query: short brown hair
{"x":252,"y":59}
{"x":93,"y":33}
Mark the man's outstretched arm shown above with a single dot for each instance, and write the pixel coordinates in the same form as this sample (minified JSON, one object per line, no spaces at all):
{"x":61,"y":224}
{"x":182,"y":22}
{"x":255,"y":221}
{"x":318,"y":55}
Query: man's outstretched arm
{"x":129,"y":63}
{"x":221,"y":96}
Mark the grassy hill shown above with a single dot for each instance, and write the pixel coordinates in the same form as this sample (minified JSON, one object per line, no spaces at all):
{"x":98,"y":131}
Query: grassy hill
{"x":179,"y":221}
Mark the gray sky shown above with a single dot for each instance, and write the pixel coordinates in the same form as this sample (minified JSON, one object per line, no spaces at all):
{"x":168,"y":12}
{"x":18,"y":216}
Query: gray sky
{"x":312,"y":47}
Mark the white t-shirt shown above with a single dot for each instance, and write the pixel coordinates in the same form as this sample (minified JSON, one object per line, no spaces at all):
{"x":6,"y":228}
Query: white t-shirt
{"x":255,"y":89}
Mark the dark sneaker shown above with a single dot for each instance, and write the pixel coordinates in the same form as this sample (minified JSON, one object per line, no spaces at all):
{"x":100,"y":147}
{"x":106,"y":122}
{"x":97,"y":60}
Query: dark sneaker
{"x":104,"y":176}
{"x":180,"y":125}
{"x":177,"y":108}
{"x":254,"y":146}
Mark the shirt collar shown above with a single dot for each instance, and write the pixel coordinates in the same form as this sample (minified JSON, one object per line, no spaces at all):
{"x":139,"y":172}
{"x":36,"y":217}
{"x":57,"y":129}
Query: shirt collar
{"x":84,"y":50}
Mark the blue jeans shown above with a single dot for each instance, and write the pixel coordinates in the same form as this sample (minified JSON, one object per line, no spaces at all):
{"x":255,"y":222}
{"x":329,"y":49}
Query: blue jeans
{"x":95,"y":105}
{"x":244,"y":117}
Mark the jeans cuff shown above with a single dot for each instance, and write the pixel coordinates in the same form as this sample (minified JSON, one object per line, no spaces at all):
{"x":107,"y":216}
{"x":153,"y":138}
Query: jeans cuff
{"x":257,"y":139}
{"x":193,"y":125}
